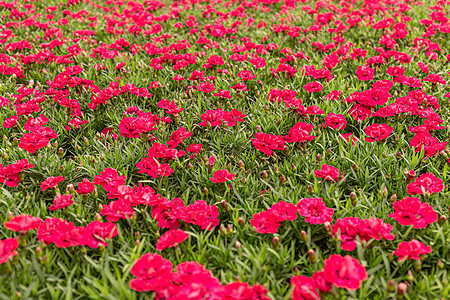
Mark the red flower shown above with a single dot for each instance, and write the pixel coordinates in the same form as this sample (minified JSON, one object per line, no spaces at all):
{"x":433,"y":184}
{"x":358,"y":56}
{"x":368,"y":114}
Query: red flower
{"x":212,"y":117}
{"x":233,"y":116}
{"x":335,"y":121}
{"x":349,"y":137}
{"x":61,"y":201}
{"x":109,"y":179}
{"x":377,"y":132}
{"x":321,"y":283}
{"x":171,"y":238}
{"x":300,"y":132}
{"x":201,"y":214}
{"x":100,"y":232}
{"x":411,"y":211}
{"x":116,"y":210}
{"x":166,"y":212}
{"x":23,"y":223}
{"x":313,"y":87}
{"x":283,"y":211}
{"x":222,"y":176}
{"x":152,"y":271}
{"x":304,"y":288}
{"x":267,"y":142}
{"x":32,"y":142}
{"x":351,"y":227}
{"x":266,"y":222}
{"x":246,"y":75}
{"x":365,"y":73}
{"x":7,"y":249}
{"x":242,"y":290}
{"x":85,"y":187}
{"x":315,"y":211}
{"x":425,"y":184}
{"x":395,"y":71}
{"x":411,"y":250}
{"x":328,"y":173}
{"x":344,"y":272}
{"x":178,"y":136}
{"x":51,"y":182}
{"x":9,"y":175}
{"x":153,"y":168}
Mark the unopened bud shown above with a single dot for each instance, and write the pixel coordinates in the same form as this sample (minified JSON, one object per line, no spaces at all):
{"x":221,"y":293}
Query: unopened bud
{"x":237,"y":244}
{"x":327,"y":226}
{"x":318,"y":158}
{"x":225,"y":205}
{"x":265,"y":176}
{"x":398,"y":155}
{"x":39,"y":252}
{"x":258,"y":128}
{"x":355,"y":167}
{"x":241,"y":165}
{"x":442,"y":220}
{"x":60,"y":152}
{"x":70,"y":189}
{"x":310,"y":189}
{"x":205,"y":190}
{"x":303,"y":236}
{"x":393,"y":199}
{"x":401,"y":290}
{"x":9,"y":215}
{"x":98,"y":217}
{"x":390,"y":286}
{"x":275,"y":242}
{"x":241,"y":222}
{"x":417,"y":264}
{"x":353,"y":198}
{"x":137,"y":243}
{"x":409,"y":276}
{"x":312,"y":256}
{"x":190,"y":166}
{"x":440,"y":265}
{"x":137,"y":235}
{"x":44,"y":260}
{"x":384,"y":192}
{"x":283,"y":180}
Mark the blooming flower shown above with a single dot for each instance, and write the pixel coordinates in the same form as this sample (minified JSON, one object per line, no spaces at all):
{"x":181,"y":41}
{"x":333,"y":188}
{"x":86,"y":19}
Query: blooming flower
{"x":222,"y":176}
{"x":313,"y":87}
{"x":344,"y":272}
{"x":152,"y":271}
{"x":328,"y":173}
{"x":23,"y":223}
{"x":171,"y":238}
{"x":304,"y":288}
{"x":61,"y":201}
{"x":426,"y":183}
{"x":411,"y":250}
{"x":51,"y":182}
{"x":315,"y":211}
{"x":85,"y":187}
{"x":411,"y":211}
{"x":377,"y":132}
{"x":8,"y":249}
{"x":267,"y":142}
{"x":335,"y":121}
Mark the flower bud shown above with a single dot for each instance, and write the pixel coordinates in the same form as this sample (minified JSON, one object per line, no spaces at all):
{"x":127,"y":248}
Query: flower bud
{"x":355,"y":167}
{"x":223,"y":229}
{"x":98,"y":217}
{"x":9,"y":215}
{"x":390,"y":287}
{"x":275,"y":242}
{"x":237,"y":245}
{"x":258,"y":128}
{"x":60,"y":152}
{"x":442,"y":220}
{"x":225,"y":205}
{"x":409,"y":276}
{"x":241,"y":165}
{"x":353,"y":198}
{"x":283,"y":180}
{"x":398,"y":155}
{"x":229,"y":229}
{"x":303,"y":236}
{"x":205,"y":190}
{"x":392,"y":199}
{"x":5,"y":156}
{"x":318,"y":158}
{"x":265,"y":176}
{"x":310,"y":189}
{"x":327,"y":226}
{"x":296,"y":271}
{"x":70,"y":189}
{"x":137,"y":243}
{"x":44,"y":260}
{"x":440,"y":265}
{"x":417,"y":264}
{"x":401,"y":290}
{"x":241,"y":222}
{"x":312,"y":256}
{"x":384,"y":192}
{"x":190,"y":166}
{"x":39,"y":252}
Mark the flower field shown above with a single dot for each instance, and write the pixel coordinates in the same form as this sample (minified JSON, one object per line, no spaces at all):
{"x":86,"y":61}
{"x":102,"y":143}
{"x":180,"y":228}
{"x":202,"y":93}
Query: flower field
{"x":211,"y":149}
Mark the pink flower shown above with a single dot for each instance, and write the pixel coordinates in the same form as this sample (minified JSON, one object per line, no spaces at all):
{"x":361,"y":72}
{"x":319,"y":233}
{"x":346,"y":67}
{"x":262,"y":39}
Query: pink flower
{"x":222,"y":176}
{"x":267,"y":142}
{"x":171,"y":238}
{"x":426,"y":183}
{"x":51,"y":182}
{"x":335,"y":121}
{"x":411,"y":250}
{"x":328,"y":173}
{"x":344,"y":272}
{"x":313,"y":87}
{"x":304,"y":288}
{"x":61,"y":201}
{"x":116,"y":210}
{"x":377,"y":132}
{"x":109,"y":179}
{"x":8,"y":249}
{"x":85,"y":187}
{"x":411,"y":211}
{"x":315,"y":211}
{"x":23,"y":223}
{"x":152,"y":271}
{"x":365,"y":73}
